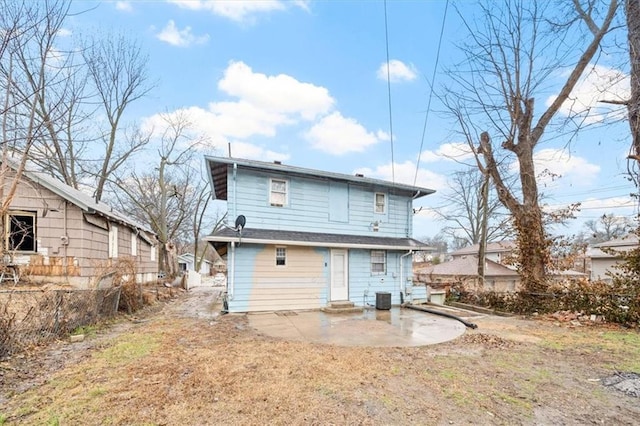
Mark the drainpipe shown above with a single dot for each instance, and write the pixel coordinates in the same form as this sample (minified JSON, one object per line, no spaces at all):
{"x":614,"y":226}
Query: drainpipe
{"x":65,"y":241}
{"x":235,"y":199}
{"x":403,"y":286}
{"x":232,"y":272}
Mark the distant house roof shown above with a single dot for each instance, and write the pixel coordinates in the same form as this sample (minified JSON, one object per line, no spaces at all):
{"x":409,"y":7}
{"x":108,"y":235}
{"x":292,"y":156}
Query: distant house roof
{"x":190,"y":258}
{"x":296,"y":238}
{"x":82,"y":200}
{"x":468,"y":266}
{"x":621,"y":244}
{"x":218,"y":167}
{"x":494,"y":247}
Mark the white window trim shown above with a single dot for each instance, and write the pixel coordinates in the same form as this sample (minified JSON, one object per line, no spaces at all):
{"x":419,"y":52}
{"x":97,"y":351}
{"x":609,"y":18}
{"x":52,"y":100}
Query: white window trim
{"x":375,"y":202}
{"x":286,"y":192}
{"x":285,"y":256}
{"x":134,"y":244}
{"x":113,"y":241}
{"x":384,"y":272}
{"x":154,"y":250}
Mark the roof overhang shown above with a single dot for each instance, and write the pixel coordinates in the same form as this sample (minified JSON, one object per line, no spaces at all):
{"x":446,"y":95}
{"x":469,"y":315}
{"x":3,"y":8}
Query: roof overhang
{"x":309,"y":239}
{"x":218,"y":168}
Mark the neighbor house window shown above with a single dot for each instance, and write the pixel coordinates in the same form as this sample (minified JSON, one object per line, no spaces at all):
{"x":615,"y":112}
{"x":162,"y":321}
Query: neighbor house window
{"x":278,"y":192}
{"x":20,"y":231}
{"x":154,"y":250}
{"x":113,"y":241}
{"x":381,"y":202}
{"x":281,"y":256}
{"x":378,"y":262}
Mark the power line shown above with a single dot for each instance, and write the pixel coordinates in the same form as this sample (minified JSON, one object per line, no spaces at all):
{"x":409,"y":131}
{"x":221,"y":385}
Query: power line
{"x":386,"y":37}
{"x":433,"y":79}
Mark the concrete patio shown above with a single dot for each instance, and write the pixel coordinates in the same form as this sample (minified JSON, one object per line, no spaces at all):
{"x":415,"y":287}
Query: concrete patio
{"x":376,"y":328}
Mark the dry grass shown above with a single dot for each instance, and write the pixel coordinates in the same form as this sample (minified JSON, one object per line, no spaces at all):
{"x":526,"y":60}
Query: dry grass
{"x":174,"y":370}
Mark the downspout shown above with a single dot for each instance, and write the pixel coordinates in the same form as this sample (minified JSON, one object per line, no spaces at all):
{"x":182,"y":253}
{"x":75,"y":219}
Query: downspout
{"x":232,"y":272}
{"x":234,"y":190}
{"x":403,"y":288}
{"x":65,"y":261}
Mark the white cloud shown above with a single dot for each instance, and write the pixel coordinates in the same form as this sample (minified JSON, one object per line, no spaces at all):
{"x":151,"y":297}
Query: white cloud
{"x":280,"y":93}
{"x":64,"y":32}
{"x":262,"y":105}
{"x":454,"y":151}
{"x":552,"y":164}
{"x":398,"y":71}
{"x":243,"y":11}
{"x":250,"y":151}
{"x":338,"y":135}
{"x":181,"y":38}
{"x":600,"y":83}
{"x":406,"y":173}
{"x":124,"y":6}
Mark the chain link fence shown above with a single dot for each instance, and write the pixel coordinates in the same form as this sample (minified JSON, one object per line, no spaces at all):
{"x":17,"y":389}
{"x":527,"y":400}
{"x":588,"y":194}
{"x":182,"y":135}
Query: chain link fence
{"x":31,"y":317}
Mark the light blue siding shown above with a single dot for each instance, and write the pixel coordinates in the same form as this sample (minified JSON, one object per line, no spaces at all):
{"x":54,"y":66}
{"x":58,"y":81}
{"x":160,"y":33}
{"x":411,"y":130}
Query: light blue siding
{"x":363,"y":285}
{"x":259,"y":285}
{"x":338,"y":202}
{"x":314,"y":205}
{"x":245,"y":256}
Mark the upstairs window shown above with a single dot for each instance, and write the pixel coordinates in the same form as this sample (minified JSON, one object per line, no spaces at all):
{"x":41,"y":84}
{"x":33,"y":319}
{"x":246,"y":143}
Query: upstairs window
{"x":281,"y":256}
{"x":20,"y":228}
{"x":378,"y":262}
{"x":380,"y":203}
{"x":278,"y":192}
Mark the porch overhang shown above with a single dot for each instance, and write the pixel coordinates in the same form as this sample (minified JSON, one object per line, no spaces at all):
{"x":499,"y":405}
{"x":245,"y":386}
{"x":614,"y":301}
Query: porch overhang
{"x":313,"y":239}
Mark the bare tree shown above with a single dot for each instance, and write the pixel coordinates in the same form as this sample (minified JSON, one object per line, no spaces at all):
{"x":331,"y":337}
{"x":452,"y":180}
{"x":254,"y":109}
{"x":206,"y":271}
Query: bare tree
{"x":513,"y":50}
{"x":632,"y":11}
{"x":463,"y":210}
{"x":28,"y":30}
{"x":171,"y":196}
{"x":607,"y":227}
{"x":118,"y":73}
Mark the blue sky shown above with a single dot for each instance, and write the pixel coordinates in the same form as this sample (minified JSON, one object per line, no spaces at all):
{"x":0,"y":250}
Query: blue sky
{"x":305,"y":82}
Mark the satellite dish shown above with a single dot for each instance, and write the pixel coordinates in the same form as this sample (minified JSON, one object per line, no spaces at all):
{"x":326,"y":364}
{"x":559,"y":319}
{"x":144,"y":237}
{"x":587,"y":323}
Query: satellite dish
{"x":240,"y":222}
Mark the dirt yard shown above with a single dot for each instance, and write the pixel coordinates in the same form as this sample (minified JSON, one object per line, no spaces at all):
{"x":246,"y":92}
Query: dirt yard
{"x":180,"y":363}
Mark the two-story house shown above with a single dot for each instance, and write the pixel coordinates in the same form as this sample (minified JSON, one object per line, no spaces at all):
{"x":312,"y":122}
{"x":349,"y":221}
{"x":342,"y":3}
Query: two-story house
{"x":312,"y":237}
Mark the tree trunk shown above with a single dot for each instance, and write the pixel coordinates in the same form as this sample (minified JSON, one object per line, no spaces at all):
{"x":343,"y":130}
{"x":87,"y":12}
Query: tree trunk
{"x":533,"y":249}
{"x":632,"y":9}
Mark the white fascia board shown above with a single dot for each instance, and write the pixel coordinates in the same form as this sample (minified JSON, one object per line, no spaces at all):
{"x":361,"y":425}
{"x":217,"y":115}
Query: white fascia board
{"x":314,"y":244}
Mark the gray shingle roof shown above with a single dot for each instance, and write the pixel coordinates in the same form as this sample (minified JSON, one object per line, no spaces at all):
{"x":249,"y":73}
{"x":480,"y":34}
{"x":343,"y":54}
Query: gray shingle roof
{"x":218,"y":174}
{"x":272,"y":236}
{"x":494,"y":247}
{"x":82,"y":200}
{"x":468,"y":266}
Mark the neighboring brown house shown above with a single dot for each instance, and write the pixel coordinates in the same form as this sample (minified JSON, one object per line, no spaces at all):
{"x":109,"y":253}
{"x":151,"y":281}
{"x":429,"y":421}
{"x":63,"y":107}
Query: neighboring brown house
{"x":57,"y":234}
{"x":463,"y":270}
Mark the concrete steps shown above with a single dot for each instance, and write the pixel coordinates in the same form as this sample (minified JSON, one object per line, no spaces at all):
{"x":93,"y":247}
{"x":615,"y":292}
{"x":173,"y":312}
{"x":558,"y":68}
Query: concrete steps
{"x":342,"y":307}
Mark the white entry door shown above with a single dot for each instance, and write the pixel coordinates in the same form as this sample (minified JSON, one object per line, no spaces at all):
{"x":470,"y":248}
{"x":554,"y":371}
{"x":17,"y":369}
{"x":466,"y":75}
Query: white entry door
{"x":339,"y":275}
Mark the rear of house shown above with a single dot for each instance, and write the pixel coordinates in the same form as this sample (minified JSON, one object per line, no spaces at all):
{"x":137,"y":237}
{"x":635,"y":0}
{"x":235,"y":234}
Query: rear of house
{"x":312,"y":238}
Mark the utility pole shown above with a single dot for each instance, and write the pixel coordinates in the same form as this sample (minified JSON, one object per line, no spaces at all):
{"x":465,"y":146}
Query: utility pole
{"x":483,"y":230}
